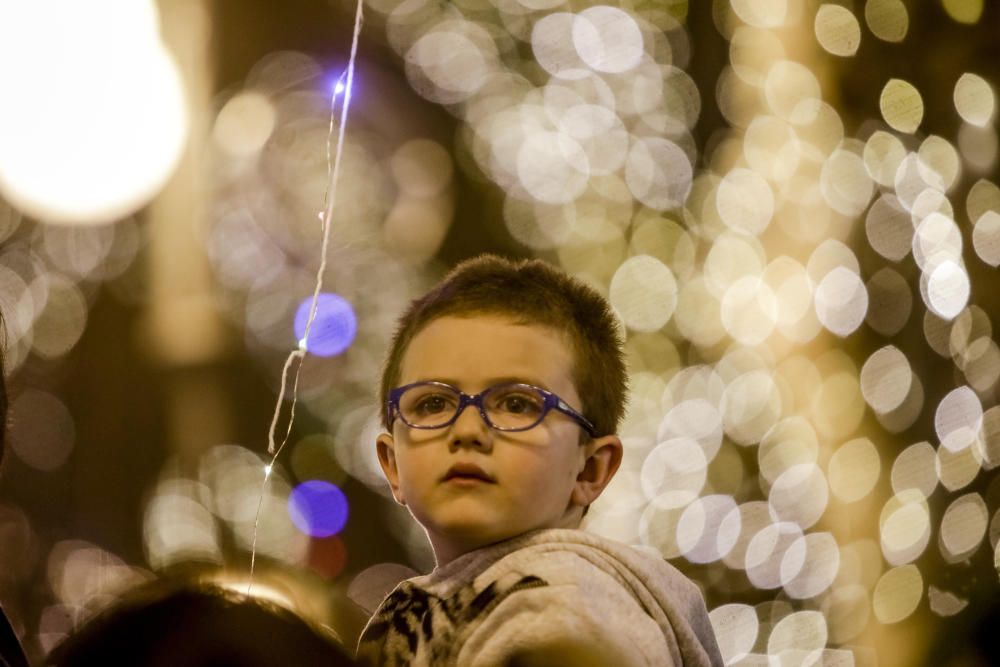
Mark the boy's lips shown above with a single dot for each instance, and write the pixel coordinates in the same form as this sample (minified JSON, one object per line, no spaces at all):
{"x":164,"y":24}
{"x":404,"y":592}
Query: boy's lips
{"x":467,"y":471}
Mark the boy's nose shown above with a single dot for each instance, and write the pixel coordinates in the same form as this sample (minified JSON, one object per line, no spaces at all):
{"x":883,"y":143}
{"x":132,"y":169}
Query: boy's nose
{"x":471,"y":429}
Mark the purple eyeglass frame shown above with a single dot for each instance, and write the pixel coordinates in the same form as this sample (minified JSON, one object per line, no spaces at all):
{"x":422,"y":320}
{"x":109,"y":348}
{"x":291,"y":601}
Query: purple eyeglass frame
{"x":552,"y":402}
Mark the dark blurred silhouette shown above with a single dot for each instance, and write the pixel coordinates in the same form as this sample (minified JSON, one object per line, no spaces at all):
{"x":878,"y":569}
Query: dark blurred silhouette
{"x":198,"y":626}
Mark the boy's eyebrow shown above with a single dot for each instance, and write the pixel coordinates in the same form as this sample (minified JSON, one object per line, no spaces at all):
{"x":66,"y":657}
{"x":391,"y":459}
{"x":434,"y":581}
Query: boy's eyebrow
{"x":492,"y":382}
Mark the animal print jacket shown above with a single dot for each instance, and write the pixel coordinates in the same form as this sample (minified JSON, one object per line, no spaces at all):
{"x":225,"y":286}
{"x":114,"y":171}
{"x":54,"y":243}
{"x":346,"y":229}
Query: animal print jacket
{"x":552,"y":596}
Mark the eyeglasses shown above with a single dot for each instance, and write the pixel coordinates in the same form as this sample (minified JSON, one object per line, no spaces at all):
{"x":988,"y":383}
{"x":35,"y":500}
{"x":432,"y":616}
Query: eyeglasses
{"x":504,"y":407}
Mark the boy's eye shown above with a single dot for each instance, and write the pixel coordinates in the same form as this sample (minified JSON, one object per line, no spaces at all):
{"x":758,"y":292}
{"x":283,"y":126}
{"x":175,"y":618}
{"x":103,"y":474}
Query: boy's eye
{"x":433,"y":404}
{"x":518,"y":403}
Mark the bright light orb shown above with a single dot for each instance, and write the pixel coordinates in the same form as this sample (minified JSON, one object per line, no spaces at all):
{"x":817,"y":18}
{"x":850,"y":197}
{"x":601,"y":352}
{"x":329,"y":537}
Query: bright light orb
{"x":948,"y":289}
{"x":736,"y":627}
{"x":658,"y":173}
{"x":644,"y":292}
{"x":318,"y":508}
{"x":448,"y":66}
{"x":245,"y":123}
{"x":94,"y":119}
{"x":745,"y":201}
{"x":333,"y":328}
{"x":552,"y":44}
{"x":607,"y":39}
{"x":986,"y":238}
{"x":552,"y":167}
{"x":837,"y":30}
{"x":841,"y":301}
{"x":897,"y":594}
{"x":964,"y":11}
{"x":902,"y":106}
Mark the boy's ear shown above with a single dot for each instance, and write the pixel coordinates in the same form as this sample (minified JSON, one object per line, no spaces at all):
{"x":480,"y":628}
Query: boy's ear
{"x":385,"y":447}
{"x":603,"y":456}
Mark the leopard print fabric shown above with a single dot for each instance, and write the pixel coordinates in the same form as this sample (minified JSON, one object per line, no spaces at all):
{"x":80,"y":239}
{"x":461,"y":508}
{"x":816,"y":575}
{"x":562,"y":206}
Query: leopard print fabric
{"x":412,"y":622}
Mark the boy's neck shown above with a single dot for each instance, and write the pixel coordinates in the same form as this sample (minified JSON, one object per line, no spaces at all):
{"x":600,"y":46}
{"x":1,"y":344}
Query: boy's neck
{"x":445,"y":551}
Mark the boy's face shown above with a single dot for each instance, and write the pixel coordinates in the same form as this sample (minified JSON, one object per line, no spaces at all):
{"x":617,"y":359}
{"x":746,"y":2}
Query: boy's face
{"x":542,"y":477}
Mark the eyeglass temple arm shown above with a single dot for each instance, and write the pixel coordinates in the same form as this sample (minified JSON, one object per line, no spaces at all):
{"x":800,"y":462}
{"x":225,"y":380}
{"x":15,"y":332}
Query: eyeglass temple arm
{"x":565,"y":408}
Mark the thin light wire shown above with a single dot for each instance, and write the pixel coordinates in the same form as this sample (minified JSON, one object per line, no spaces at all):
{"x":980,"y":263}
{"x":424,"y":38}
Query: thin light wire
{"x":333,"y":174}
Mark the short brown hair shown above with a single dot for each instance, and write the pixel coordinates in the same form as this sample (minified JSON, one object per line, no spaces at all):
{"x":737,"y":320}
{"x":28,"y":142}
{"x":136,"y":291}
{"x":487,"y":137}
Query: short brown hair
{"x":528,"y":292}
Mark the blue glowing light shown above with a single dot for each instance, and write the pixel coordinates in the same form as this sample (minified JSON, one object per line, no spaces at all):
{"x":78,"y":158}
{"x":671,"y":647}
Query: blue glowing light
{"x":338,"y":85}
{"x":318,"y":508}
{"x":334,"y":328}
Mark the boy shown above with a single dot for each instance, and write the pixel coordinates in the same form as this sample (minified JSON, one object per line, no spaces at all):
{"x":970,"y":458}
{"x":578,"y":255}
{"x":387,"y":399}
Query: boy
{"x":501,"y":394}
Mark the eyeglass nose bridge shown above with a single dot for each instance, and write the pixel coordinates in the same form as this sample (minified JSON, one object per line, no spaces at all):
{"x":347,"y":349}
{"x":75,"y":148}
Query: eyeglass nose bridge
{"x":465,"y":400}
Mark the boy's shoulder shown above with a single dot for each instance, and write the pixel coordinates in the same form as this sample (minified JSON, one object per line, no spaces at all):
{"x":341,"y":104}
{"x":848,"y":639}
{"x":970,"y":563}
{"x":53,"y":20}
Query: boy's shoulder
{"x":538,"y":586}
{"x":570,"y":560}
{"x":561,"y":553}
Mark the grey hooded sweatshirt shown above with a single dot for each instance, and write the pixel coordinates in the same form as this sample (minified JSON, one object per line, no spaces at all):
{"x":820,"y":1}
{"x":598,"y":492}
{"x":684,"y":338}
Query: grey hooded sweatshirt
{"x":548,"y":597}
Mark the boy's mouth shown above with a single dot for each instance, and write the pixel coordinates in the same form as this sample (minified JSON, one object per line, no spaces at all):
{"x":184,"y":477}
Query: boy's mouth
{"x":467,"y":471}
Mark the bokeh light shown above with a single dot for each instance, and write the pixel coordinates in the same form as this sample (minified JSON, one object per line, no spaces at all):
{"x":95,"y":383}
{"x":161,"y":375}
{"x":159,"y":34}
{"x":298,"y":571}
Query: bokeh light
{"x":735,"y":627}
{"x":245,"y":123}
{"x":42,"y":430}
{"x":854,"y":469}
{"x":963,"y":11}
{"x":318,"y":508}
{"x":963,"y":527}
{"x":974,"y":99}
{"x":107,"y":118}
{"x":887,"y":19}
{"x":837,"y":30}
{"x":178,"y":527}
{"x":644,"y":292}
{"x":897,"y":594}
{"x":333,"y":327}
{"x":902,"y":106}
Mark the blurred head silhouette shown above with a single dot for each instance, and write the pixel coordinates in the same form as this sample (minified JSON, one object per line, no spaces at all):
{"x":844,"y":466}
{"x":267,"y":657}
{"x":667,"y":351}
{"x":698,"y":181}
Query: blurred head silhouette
{"x":198,"y":626}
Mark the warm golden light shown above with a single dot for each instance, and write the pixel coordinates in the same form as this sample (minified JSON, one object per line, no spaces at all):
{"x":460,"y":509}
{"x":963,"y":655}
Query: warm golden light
{"x":95,"y":123}
{"x":837,"y":30}
{"x":901,"y":105}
